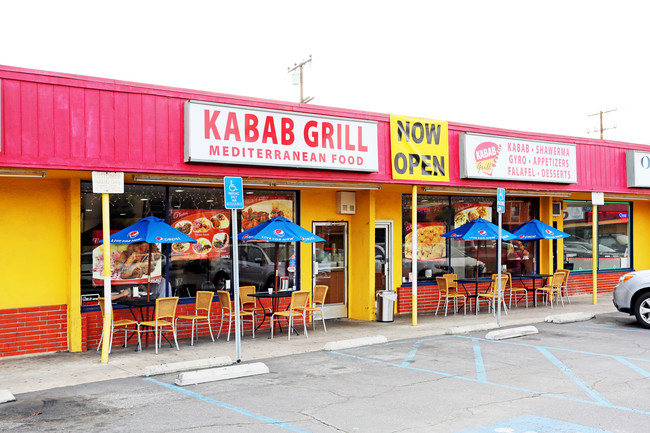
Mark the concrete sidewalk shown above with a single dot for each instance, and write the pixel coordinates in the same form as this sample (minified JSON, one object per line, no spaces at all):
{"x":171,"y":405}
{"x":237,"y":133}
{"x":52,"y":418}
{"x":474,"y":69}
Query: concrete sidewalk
{"x":34,"y":373}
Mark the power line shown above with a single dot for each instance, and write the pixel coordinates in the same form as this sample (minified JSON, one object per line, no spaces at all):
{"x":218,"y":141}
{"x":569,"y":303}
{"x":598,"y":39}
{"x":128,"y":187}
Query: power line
{"x":600,"y":114}
{"x":298,"y":70}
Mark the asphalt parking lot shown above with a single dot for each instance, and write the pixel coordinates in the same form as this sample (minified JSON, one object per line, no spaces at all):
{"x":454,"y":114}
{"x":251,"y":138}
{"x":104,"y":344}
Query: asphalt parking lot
{"x":591,"y":376}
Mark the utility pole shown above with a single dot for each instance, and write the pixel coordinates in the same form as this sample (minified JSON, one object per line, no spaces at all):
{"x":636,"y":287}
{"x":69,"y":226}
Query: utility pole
{"x":298,"y":70}
{"x":600,"y":114}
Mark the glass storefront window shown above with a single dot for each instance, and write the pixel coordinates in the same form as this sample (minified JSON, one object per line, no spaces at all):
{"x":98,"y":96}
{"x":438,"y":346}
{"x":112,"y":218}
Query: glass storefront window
{"x":440,"y":214}
{"x":200,"y":213}
{"x":613,"y":235}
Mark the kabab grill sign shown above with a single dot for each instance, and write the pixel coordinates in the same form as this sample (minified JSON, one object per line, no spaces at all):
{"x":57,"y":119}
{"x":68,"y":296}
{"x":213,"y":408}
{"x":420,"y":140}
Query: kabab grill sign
{"x":230,"y":134}
{"x":419,"y":149}
{"x":509,"y":158}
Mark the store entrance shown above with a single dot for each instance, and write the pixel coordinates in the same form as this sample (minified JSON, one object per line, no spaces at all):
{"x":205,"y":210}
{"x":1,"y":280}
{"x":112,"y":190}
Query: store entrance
{"x":383,"y":247}
{"x":331,"y":266}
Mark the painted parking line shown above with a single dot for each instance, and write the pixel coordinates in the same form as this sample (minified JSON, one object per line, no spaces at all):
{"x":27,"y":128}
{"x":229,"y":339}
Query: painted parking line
{"x":610,"y":329}
{"x":481,"y":376}
{"x":598,"y":401}
{"x":571,"y":375}
{"x":228,"y":406}
{"x":533,"y":424}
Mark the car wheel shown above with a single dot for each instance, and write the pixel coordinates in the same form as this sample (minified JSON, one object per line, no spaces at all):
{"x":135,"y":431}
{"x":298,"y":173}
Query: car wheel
{"x":642,"y":310}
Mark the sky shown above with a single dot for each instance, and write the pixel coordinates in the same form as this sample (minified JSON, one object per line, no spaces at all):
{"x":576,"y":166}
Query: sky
{"x":537,"y":66}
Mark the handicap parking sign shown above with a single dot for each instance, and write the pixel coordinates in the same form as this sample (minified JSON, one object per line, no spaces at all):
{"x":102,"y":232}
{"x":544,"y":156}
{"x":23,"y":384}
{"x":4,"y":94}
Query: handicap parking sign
{"x":233,"y":192}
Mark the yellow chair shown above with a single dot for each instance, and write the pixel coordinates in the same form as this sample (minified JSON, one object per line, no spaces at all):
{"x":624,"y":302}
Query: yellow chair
{"x":565,"y":284}
{"x":444,"y":292}
{"x":122,"y":323}
{"x":248,"y":302}
{"x":164,"y":317}
{"x":552,"y":289}
{"x":320,"y":292}
{"x":201,"y":312}
{"x":492,"y":293}
{"x":513,"y":291}
{"x":297,"y":308}
{"x":227,"y":309}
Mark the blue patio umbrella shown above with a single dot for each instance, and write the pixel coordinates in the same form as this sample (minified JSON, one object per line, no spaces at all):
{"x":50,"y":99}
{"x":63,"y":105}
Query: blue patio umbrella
{"x":150,"y":230}
{"x":478,"y":230}
{"x":535,"y":229}
{"x":278,"y":229}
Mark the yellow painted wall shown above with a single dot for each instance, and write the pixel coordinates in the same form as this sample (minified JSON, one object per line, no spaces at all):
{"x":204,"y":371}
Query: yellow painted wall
{"x":640,"y":235}
{"x":34,"y":247}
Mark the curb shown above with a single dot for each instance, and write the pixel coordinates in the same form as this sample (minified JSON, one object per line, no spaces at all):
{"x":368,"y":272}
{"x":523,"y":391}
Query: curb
{"x":221,"y":373}
{"x":6,"y":396}
{"x":569,"y":317}
{"x":471,"y":328}
{"x":355,"y":342}
{"x":175,"y":367}
{"x":502,"y":334}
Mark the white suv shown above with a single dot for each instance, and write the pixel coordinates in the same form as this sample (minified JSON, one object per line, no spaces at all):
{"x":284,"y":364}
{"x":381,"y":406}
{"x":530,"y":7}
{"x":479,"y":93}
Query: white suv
{"x":632,"y":296}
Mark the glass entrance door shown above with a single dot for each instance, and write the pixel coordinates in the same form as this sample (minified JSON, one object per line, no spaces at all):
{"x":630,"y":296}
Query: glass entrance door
{"x":331,"y":265}
{"x":383,"y":236}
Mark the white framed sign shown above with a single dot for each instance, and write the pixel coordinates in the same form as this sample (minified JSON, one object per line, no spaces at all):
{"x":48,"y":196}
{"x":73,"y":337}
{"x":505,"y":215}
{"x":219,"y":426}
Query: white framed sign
{"x":638,"y":169}
{"x":230,"y":134}
{"x":510,"y":158}
{"x":108,"y":182}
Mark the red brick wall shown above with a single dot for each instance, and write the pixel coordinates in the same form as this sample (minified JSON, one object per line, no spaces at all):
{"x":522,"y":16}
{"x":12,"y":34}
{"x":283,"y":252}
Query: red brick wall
{"x":578,"y":285}
{"x":33,"y":330}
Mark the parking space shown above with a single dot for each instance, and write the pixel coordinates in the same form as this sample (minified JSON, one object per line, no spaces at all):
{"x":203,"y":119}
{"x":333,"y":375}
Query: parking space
{"x":590,"y":377}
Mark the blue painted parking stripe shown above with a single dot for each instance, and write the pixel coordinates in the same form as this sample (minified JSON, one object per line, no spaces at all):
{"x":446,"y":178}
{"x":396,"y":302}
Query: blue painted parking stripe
{"x":636,"y":368}
{"x":481,"y":376}
{"x":498,"y":385}
{"x":611,"y":329}
{"x":411,"y":355}
{"x":583,"y":352}
{"x":571,"y":375}
{"x":239,"y":410}
{"x":532,"y":423}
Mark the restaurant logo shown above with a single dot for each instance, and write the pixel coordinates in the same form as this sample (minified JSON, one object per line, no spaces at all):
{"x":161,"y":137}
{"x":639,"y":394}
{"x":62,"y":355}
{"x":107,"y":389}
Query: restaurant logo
{"x":482,"y":232}
{"x":279,"y":232}
{"x":486,"y":155}
{"x":521,"y":236}
{"x":158,"y":238}
{"x":134,"y":234}
{"x":548,"y":232}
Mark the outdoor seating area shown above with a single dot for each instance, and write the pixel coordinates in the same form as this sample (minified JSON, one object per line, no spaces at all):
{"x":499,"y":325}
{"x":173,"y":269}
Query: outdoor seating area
{"x":160,"y":318}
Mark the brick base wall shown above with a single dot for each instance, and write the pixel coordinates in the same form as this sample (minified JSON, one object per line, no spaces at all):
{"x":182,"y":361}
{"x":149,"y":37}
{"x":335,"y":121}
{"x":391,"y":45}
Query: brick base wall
{"x":26,"y":331}
{"x":428,"y":295}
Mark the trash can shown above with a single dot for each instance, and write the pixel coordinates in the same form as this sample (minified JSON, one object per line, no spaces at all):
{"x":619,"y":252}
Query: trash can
{"x":385,"y":304}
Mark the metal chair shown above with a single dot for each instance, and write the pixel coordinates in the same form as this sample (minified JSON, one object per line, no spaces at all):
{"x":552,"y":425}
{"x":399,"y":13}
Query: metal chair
{"x":164,"y":316}
{"x":297,"y":308}
{"x":553,"y":289}
{"x":320,"y":292}
{"x":564,"y":290}
{"x":514,"y":291}
{"x":121,"y":323}
{"x":227,"y":309}
{"x":248,"y":302}
{"x":492,"y":293}
{"x":201,"y":312}
{"x":444,"y":292}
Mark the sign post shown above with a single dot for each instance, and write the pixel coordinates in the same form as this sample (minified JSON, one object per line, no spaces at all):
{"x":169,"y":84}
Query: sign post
{"x":106,"y":183}
{"x":234,"y":199}
{"x":501,"y":208}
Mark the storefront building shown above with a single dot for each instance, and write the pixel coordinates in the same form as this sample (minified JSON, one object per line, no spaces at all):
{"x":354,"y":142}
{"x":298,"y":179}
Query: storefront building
{"x":348,"y":176}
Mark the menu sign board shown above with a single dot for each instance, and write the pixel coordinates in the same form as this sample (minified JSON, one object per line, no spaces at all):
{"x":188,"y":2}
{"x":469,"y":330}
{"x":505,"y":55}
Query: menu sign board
{"x":210,"y":228}
{"x":509,"y":158}
{"x":229,"y":134}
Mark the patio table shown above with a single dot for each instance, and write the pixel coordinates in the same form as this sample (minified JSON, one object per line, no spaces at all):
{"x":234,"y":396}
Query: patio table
{"x":275,"y":303}
{"x":533,"y":277}
{"x":475,"y":281}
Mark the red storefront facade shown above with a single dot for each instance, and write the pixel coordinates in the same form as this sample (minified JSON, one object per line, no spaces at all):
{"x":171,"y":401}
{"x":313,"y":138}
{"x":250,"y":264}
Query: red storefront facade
{"x":56,"y":129}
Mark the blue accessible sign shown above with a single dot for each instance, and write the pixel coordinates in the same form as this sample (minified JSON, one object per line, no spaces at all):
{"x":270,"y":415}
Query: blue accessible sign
{"x":501,"y":200}
{"x":233,"y":189}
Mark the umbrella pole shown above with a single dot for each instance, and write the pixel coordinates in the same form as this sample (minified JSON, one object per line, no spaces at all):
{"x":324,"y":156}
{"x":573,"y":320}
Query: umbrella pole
{"x":277,"y":259}
{"x":148,"y":271}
